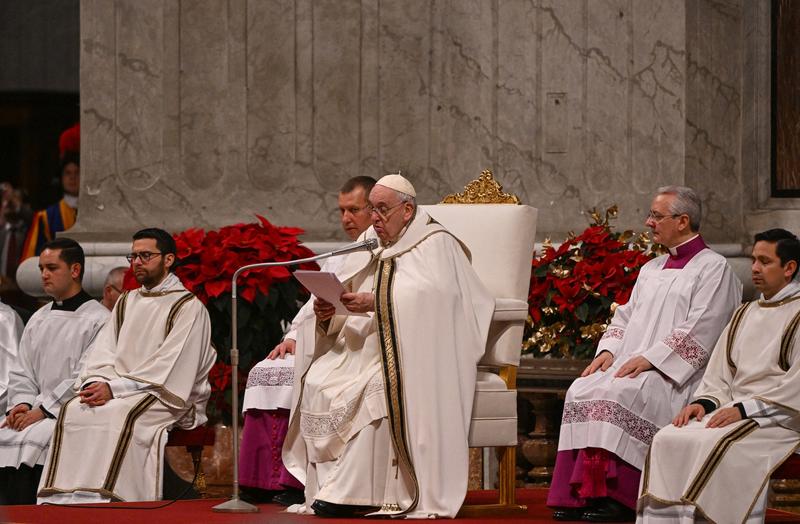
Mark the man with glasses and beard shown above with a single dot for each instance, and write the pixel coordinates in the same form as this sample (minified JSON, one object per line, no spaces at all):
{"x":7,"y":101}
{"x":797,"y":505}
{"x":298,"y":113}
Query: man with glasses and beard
{"x":43,"y":370}
{"x":146,"y":372}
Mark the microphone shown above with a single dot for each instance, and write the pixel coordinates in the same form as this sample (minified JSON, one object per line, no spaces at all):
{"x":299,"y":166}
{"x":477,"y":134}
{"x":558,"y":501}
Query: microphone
{"x":365,"y":245}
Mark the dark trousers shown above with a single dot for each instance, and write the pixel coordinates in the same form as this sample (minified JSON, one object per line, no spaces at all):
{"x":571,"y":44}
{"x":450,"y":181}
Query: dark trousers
{"x":19,"y":485}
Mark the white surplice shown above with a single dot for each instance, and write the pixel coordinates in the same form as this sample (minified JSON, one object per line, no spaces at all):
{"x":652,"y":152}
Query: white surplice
{"x":269,"y":382}
{"x":673,"y":319}
{"x":51,"y":352}
{"x":723,"y":473}
{"x":155,"y":353}
{"x":383,"y":402}
{"x":10,"y":332}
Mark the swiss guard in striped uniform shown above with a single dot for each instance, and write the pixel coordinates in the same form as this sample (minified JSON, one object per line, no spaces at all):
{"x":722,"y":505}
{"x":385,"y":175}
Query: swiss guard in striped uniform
{"x":61,"y":215}
{"x":146,"y":373}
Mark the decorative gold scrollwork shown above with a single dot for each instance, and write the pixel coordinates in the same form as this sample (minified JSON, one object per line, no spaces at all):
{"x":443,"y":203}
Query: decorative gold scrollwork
{"x":484,"y":190}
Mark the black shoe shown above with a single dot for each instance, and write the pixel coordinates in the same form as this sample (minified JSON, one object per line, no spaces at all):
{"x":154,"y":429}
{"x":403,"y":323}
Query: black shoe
{"x":569,"y":514}
{"x":342,"y":511}
{"x":609,"y":510}
{"x":289,"y":497}
{"x":255,"y":495}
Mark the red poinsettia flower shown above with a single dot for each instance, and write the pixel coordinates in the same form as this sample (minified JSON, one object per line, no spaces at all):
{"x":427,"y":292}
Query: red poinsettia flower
{"x":573,"y":286}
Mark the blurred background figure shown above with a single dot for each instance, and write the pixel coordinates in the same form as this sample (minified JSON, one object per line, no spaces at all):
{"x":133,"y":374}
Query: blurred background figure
{"x":112,"y":288}
{"x":61,"y":215}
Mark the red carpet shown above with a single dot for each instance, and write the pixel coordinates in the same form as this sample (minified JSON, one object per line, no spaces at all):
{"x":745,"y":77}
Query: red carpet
{"x":200,"y":511}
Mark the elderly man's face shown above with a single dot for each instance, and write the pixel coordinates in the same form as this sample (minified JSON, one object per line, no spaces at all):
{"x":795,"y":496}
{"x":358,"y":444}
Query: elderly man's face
{"x":668,"y":229}
{"x":389,"y":214}
{"x":355,"y":214}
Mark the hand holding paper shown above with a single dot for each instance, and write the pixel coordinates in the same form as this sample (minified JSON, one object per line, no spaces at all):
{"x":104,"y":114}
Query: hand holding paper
{"x":358,"y":302}
{"x":328,"y":287}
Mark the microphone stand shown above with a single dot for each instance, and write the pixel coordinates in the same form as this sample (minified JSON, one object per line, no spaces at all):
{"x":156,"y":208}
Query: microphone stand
{"x":235,"y":504}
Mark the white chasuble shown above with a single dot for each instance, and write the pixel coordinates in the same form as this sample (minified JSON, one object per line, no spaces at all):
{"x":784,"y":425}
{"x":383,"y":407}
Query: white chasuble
{"x":10,"y":332}
{"x":723,"y":472}
{"x":673,"y":319}
{"x":384,"y":401}
{"x":155,"y":353}
{"x":51,"y":352}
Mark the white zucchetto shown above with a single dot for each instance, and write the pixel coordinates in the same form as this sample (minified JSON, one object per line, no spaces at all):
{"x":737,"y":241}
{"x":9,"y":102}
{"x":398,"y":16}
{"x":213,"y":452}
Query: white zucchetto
{"x":398,"y":183}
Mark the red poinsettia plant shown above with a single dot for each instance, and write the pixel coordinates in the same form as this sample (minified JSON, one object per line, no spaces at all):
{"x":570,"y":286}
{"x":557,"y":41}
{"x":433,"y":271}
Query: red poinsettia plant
{"x":576,"y":286}
{"x":269,"y":298}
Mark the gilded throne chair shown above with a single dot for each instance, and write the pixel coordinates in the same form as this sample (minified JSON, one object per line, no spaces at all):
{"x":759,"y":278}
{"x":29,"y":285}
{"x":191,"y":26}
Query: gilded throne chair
{"x":499,"y":232}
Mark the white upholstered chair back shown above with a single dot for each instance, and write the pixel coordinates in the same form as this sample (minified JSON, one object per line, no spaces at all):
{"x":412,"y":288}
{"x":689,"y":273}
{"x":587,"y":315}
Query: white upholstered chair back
{"x":500,"y":238}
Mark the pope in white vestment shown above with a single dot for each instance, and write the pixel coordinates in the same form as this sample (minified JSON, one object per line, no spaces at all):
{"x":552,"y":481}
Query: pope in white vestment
{"x":383,"y":401}
{"x":11,"y":327}
{"x":147,"y":372}
{"x":657,"y":345}
{"x":268,"y":396}
{"x":40,"y":378}
{"x":746,"y":410}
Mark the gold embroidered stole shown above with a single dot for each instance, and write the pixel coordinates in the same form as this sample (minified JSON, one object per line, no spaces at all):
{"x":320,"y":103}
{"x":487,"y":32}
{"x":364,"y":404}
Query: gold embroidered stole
{"x":393,"y":372}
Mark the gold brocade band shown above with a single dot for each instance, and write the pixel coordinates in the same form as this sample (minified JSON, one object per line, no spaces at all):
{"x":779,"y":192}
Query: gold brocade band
{"x":125,"y":440}
{"x":735,"y":321}
{"x":392,"y":373}
{"x":120,"y":317}
{"x":55,"y":445}
{"x":715,"y":457}
{"x":787,"y":342}
{"x":174,"y":310}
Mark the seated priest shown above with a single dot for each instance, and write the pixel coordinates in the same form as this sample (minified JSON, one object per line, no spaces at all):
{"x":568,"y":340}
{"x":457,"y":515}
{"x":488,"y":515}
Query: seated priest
{"x":11,"y":327}
{"x":146,"y":372}
{"x":648,"y":363}
{"x":268,"y":396}
{"x":40,"y":378}
{"x":743,"y":421}
{"x":383,"y":395}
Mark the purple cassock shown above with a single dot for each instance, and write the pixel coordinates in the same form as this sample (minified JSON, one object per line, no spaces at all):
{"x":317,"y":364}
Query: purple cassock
{"x":266,"y":405}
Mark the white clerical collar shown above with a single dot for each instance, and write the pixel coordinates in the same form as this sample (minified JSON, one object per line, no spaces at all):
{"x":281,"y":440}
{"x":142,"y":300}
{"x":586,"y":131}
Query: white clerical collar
{"x":674,"y":250}
{"x":168,"y":282}
{"x":789,"y":290}
{"x":71,"y":200}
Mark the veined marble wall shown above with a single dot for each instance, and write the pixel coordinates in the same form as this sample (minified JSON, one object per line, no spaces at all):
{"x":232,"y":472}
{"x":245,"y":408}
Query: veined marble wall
{"x":203,"y":113}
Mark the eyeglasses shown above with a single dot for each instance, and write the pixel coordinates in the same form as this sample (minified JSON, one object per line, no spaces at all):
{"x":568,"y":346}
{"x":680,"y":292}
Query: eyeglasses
{"x":383,"y":211}
{"x":144,"y":256}
{"x":658,"y":217}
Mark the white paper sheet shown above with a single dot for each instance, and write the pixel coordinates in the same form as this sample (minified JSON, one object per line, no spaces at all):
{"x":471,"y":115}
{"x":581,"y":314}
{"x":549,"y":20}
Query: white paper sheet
{"x":326,"y":286}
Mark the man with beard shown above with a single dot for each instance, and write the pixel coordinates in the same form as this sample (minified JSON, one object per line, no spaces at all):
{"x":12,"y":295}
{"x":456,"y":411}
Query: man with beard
{"x":43,"y":371}
{"x":146,"y":373}
{"x":268,"y":397}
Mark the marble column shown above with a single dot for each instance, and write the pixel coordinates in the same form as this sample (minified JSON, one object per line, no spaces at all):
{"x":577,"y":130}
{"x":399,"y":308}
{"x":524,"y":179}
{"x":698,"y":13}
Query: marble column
{"x":204,"y":113}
